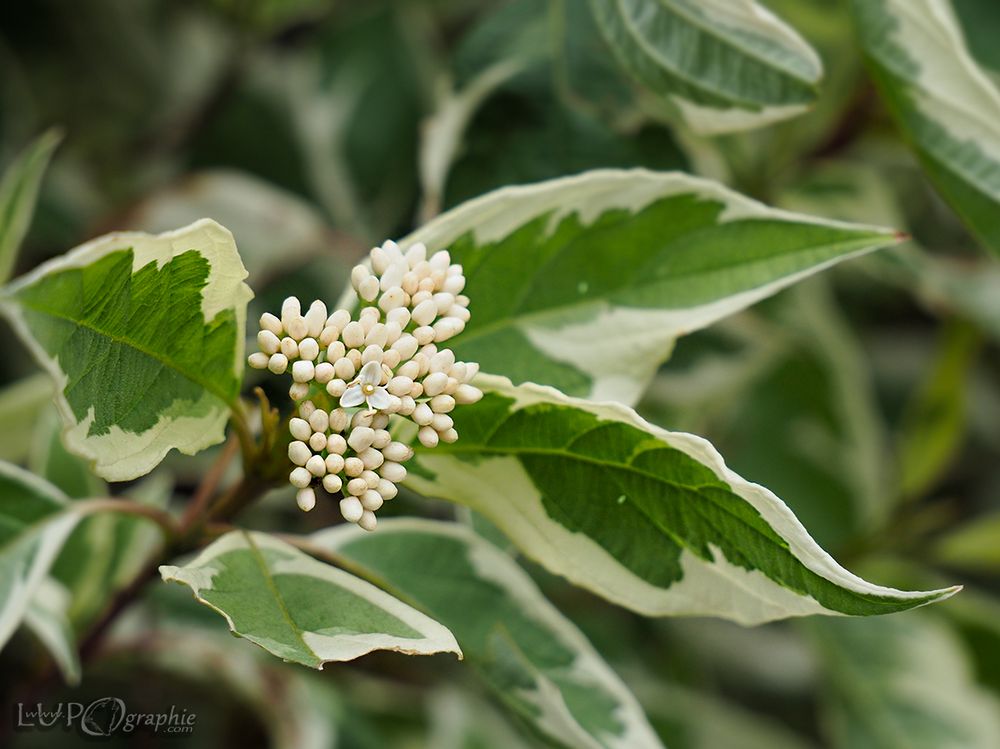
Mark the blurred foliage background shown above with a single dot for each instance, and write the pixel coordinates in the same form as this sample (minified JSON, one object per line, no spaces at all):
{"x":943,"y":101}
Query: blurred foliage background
{"x":867,"y":399}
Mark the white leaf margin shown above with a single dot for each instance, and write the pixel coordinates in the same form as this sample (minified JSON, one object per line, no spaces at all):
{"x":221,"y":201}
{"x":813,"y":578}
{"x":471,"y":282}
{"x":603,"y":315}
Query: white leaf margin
{"x":636,"y":340}
{"x":494,"y":565}
{"x":197,"y":574}
{"x":121,"y":455}
{"x":500,"y":489}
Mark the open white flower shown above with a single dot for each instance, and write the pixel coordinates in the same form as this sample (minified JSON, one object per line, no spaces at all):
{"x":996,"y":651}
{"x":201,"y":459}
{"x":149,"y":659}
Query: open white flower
{"x":367,"y":388}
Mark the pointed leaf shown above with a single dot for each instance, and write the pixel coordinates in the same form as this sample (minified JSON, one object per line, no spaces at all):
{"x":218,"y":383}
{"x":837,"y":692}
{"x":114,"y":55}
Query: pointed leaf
{"x":536,"y":661}
{"x":726,"y":65}
{"x":943,"y":102}
{"x":18,"y":193}
{"x":144,"y":336}
{"x":301,"y":610}
{"x":47,"y":618}
{"x":650,"y":519}
{"x":585,"y":283}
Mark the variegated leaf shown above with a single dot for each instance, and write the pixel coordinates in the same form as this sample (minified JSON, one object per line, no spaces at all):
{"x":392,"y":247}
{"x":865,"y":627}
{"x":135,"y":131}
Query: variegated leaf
{"x":301,"y":610}
{"x":533,"y":658}
{"x":725,"y":65}
{"x":944,"y":103}
{"x":650,"y":519}
{"x":585,"y":283}
{"x":144,"y":337}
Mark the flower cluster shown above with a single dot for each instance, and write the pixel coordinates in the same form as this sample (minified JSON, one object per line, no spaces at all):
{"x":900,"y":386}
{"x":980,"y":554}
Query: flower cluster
{"x":351,"y":375}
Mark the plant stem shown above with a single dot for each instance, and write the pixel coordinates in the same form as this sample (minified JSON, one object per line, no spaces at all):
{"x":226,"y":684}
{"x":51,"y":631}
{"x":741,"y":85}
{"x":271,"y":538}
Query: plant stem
{"x":162,"y":518}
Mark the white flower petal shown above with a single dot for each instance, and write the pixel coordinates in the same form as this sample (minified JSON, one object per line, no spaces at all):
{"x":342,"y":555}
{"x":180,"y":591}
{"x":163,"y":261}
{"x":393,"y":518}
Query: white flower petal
{"x":379,"y":399}
{"x":352,"y":396}
{"x":371,"y":374}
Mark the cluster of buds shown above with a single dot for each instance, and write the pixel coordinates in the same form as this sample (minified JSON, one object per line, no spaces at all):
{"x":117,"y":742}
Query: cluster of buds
{"x":351,"y":377}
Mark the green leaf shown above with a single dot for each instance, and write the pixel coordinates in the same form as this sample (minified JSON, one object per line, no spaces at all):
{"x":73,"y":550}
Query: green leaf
{"x":650,"y":519}
{"x":21,"y":405}
{"x":18,"y":193}
{"x":584,"y":283}
{"x":144,"y":336}
{"x":942,"y":101}
{"x":903,"y":682}
{"x":35,"y":519}
{"x":725,"y":65}
{"x":47,"y":618}
{"x":533,"y":658}
{"x":299,"y":609}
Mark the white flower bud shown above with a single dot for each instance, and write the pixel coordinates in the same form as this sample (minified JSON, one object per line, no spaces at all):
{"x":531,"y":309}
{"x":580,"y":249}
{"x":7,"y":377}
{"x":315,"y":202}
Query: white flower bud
{"x":300,"y":429}
{"x":361,"y":438}
{"x":410,"y":369}
{"x":303,"y":370}
{"x":300,"y":478}
{"x":425,"y":289}
{"x":319,"y":420}
{"x":448,"y":435}
{"x":299,"y":452}
{"x":422,"y":269}
{"x":371,"y":457}
{"x":380,"y":259}
{"x":391,"y":359}
{"x":459,"y":313}
{"x":466,"y":394}
{"x":451,"y":386}
{"x":400,"y":316}
{"x":392,"y":471}
{"x":370,"y":477}
{"x":368,"y":521}
{"x":393,"y":275}
{"x":424,"y":313}
{"x":438,"y":277}
{"x":305,"y":499}
{"x":399,"y":385}
{"x":362,"y":419}
{"x":442,"y":404}
{"x":332,"y":482}
{"x":353,"y":466}
{"x":335,"y":350}
{"x":278,"y":363}
{"x":387,"y":489}
{"x":357,"y":487}
{"x":316,"y":466}
{"x":371,"y":353}
{"x":434,"y":383}
{"x":371,"y":500}
{"x":424,"y":334}
{"x":442,"y":422}
{"x":338,"y":420}
{"x":271,"y":323}
{"x":354,"y":357}
{"x":447,"y":328}
{"x":339,"y":319}
{"x":406,"y":345}
{"x":443,"y":300}
{"x":351,"y":509}
{"x":258,"y":360}
{"x":315,"y":318}
{"x":289,"y":348}
{"x":410,"y":283}
{"x":368,"y":316}
{"x":442,"y":361}
{"x":453,"y":284}
{"x":393,"y":298}
{"x":290,"y":308}
{"x":309,"y":349}
{"x":358,"y":274}
{"x":380,"y":421}
{"x":422,"y":414}
{"x":334,"y":464}
{"x":328,"y":335}
{"x":427,"y":436}
{"x":306,"y":409}
{"x":297,"y":327}
{"x":336,"y":387}
{"x":406,"y":406}
{"x":318,"y":440}
{"x":353,"y":334}
{"x":397,"y":452}
{"x":336,"y":444}
{"x":324,"y":372}
{"x":440,"y":260}
{"x":382,"y":439}
{"x":368,"y":289}
{"x":416,"y":254}
{"x":268,"y":342}
{"x":298,"y":391}
{"x":344,"y":368}
{"x":376,"y":336}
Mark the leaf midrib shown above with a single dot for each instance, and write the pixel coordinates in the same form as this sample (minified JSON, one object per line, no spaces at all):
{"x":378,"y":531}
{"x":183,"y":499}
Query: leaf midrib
{"x":208,"y":385}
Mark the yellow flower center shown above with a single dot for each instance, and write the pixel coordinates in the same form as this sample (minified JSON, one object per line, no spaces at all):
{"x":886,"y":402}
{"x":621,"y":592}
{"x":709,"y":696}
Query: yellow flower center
{"x":367,"y":389}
